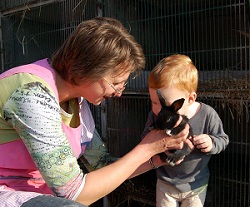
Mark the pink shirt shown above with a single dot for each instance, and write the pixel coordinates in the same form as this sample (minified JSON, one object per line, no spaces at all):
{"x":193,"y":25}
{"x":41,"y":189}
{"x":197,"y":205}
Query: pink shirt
{"x":18,"y":172}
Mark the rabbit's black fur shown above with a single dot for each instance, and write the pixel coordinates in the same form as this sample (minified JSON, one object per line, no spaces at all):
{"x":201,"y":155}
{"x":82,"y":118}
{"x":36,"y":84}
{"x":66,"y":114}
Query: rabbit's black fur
{"x":166,"y":120}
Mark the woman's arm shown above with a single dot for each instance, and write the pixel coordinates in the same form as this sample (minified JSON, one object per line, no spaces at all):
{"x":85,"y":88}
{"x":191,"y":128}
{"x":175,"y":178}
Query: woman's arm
{"x":101,"y":182}
{"x":35,"y":115}
{"x":157,"y":161}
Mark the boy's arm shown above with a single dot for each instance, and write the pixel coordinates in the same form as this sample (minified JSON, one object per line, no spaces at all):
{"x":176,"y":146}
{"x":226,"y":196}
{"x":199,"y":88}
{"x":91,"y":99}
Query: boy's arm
{"x":219,"y":142}
{"x":214,"y":140}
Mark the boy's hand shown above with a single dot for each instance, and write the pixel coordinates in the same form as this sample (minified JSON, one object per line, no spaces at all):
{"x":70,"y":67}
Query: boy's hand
{"x":190,"y":143}
{"x":203,"y":142}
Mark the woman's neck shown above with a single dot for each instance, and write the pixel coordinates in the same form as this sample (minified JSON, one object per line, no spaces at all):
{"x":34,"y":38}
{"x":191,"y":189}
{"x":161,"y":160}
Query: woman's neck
{"x":64,"y":88}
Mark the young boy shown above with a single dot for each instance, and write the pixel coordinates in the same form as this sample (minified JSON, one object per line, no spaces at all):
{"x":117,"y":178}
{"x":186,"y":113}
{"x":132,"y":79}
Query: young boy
{"x":184,"y":184}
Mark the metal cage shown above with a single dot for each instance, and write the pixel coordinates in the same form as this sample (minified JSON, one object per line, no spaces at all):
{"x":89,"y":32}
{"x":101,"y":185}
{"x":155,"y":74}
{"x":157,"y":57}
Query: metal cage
{"x":215,"y":34}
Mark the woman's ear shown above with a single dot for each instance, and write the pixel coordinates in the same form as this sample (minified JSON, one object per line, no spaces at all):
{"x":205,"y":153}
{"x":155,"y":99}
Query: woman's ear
{"x":192,"y":97}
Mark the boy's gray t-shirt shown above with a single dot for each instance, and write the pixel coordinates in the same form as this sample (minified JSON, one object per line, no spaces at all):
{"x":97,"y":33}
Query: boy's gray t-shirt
{"x":193,"y":172}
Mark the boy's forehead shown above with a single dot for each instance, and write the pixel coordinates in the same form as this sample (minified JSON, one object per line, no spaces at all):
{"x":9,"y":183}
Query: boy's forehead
{"x":170,"y":94}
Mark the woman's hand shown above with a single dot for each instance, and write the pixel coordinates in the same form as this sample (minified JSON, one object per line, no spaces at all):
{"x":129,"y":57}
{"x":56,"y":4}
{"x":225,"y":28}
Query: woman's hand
{"x":159,"y":141}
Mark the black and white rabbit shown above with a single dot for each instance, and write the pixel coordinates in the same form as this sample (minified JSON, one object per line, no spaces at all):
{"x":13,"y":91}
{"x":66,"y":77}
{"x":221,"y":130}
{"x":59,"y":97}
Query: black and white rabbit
{"x":166,"y":120}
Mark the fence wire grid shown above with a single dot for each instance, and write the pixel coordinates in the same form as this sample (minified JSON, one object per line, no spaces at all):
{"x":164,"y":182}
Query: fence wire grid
{"x":215,"y":34}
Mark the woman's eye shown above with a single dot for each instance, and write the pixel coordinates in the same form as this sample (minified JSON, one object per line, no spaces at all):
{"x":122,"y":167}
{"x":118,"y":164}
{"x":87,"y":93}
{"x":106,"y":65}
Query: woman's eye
{"x":117,"y":84}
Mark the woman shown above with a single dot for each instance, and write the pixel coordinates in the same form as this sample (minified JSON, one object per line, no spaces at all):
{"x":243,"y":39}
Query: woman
{"x":45,"y":121}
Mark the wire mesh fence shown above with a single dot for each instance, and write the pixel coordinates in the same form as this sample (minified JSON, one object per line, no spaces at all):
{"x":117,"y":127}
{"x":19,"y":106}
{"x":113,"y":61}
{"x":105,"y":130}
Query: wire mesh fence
{"x":215,"y":34}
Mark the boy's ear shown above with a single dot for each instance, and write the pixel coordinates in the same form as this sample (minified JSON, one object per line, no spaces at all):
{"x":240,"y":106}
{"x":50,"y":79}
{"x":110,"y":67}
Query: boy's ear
{"x":176,"y":105}
{"x":192,"y":97}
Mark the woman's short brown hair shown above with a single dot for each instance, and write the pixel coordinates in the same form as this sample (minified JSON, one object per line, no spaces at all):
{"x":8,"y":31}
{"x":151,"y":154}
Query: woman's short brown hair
{"x":98,"y":47}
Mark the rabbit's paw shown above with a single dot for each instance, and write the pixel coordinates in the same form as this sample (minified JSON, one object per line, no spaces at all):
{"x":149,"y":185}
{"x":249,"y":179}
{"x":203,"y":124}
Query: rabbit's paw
{"x":171,"y":160}
{"x":174,"y":158}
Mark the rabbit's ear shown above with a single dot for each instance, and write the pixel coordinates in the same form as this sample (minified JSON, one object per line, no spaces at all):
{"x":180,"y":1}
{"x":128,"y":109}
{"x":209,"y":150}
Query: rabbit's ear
{"x":161,"y":97}
{"x":176,"y":105}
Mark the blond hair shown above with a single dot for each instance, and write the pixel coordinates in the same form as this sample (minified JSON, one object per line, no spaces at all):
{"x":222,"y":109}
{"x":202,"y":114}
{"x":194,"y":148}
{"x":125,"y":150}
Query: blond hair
{"x":174,"y":71}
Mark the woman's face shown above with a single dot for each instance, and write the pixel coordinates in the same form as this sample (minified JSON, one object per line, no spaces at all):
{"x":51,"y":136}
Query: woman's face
{"x":97,"y":91}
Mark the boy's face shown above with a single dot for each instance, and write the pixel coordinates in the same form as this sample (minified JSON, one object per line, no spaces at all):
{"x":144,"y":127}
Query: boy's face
{"x":170,"y":94}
